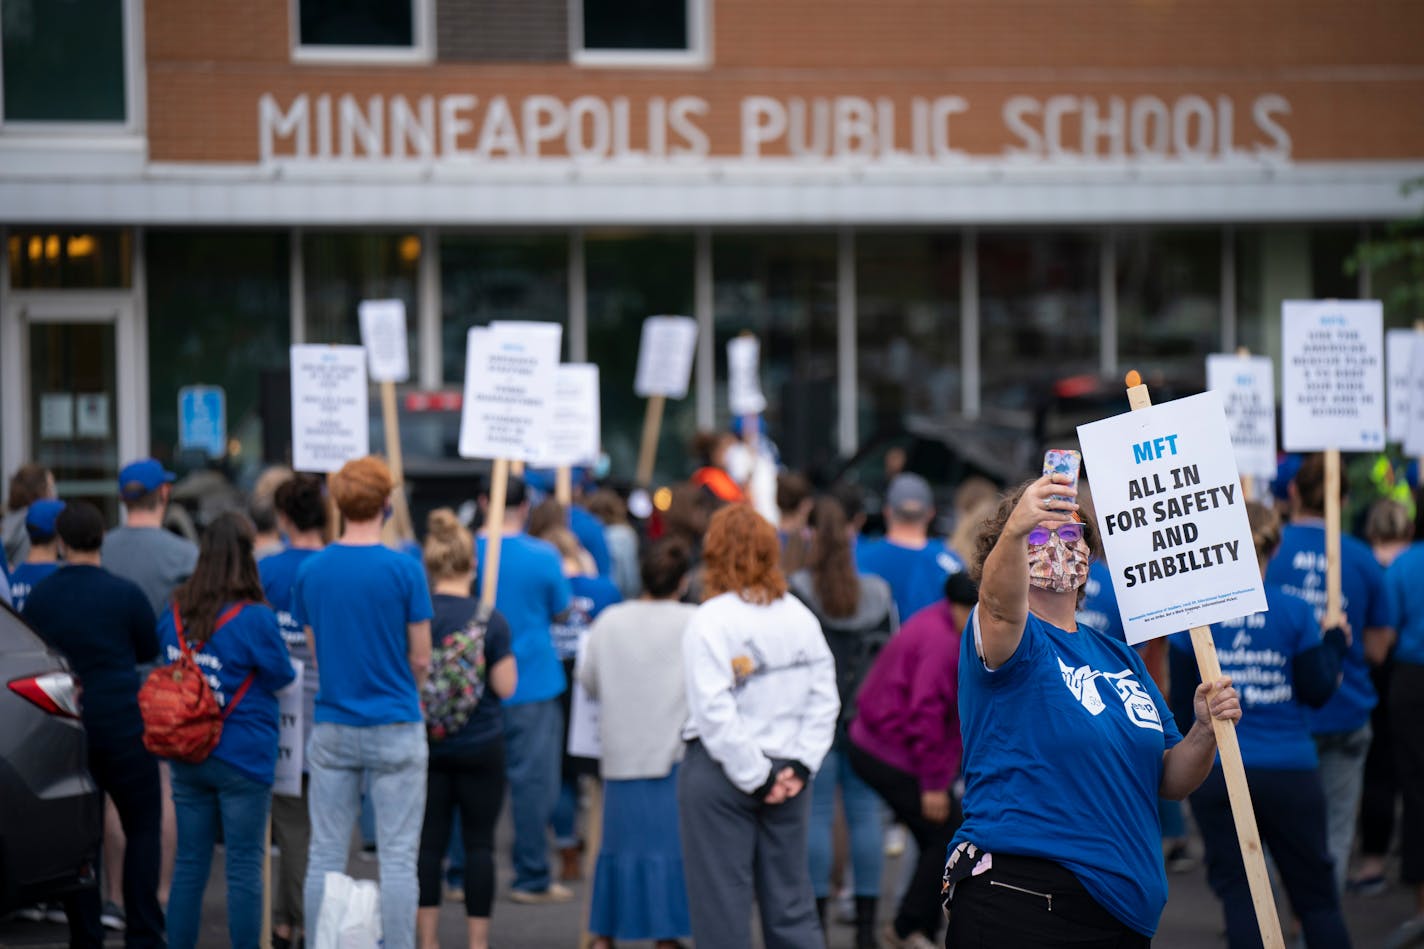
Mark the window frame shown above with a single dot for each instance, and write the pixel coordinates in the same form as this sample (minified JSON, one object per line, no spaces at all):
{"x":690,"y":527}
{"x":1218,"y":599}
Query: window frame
{"x":697,"y":54}
{"x":135,"y":94}
{"x":421,"y":52}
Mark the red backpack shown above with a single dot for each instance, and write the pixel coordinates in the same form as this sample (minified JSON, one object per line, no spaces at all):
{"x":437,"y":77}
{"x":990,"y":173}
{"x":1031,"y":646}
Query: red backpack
{"x":181,"y":718}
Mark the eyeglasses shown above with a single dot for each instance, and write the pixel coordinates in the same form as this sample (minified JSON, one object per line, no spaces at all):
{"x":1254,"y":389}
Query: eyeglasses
{"x":1068,"y":533}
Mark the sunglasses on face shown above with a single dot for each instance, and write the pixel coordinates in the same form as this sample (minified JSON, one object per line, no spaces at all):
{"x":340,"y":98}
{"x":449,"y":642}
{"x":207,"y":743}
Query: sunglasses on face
{"x":1068,"y":533}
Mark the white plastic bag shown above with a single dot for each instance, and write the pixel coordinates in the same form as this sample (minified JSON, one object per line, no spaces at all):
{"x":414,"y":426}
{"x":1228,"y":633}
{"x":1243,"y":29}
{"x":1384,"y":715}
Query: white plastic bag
{"x":350,"y":916}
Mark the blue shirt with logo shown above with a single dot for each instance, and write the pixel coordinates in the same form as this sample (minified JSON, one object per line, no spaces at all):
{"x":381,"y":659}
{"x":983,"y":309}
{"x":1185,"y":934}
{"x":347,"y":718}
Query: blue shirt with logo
{"x":358,"y":601}
{"x":1099,"y":606}
{"x":532,"y":591}
{"x":916,"y":575}
{"x":249,"y":643}
{"x":25,"y":578}
{"x":1299,"y":568}
{"x":1405,"y":591}
{"x":589,"y":531}
{"x":590,"y":596}
{"x":1063,"y":749}
{"x":1258,"y":653}
{"x":279,"y":578}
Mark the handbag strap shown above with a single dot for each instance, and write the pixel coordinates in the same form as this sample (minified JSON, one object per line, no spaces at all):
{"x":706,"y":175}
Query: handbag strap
{"x":227,"y":616}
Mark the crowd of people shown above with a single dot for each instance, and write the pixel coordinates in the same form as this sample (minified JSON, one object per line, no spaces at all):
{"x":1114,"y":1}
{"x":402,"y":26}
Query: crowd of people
{"x":775,"y":693}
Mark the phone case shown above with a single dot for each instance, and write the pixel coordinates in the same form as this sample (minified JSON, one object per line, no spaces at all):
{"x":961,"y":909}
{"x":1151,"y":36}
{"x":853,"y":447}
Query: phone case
{"x":1062,"y":461}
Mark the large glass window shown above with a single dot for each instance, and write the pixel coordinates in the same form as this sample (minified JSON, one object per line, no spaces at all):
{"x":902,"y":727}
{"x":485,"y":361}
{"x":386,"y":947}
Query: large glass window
{"x":1039,"y":316}
{"x":341,"y":270}
{"x":504,"y":277}
{"x":636,"y":24}
{"x":92,"y":259}
{"x":1168,"y":300}
{"x":907,"y":329}
{"x":219,"y":315}
{"x":63,"y":60}
{"x":782,"y":287}
{"x":629,"y":278}
{"x":1297,"y":262}
{"x":364,"y":23}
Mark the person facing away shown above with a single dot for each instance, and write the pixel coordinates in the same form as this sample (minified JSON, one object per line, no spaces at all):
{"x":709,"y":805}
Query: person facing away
{"x":103,"y":626}
{"x":43,"y":556}
{"x":914,"y":564}
{"x":219,"y":615}
{"x":622,"y":540}
{"x":299,"y":505}
{"x":762,"y":710}
{"x":29,"y":483}
{"x":366,"y":612}
{"x":141,"y":549}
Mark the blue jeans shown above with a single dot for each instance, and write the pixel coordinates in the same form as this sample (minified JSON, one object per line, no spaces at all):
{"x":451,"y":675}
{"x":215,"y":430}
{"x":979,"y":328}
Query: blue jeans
{"x":204,"y":796}
{"x":394,"y":758}
{"x":565,"y":817}
{"x":1342,"y":775}
{"x":863,"y":821}
{"x":533,"y":750}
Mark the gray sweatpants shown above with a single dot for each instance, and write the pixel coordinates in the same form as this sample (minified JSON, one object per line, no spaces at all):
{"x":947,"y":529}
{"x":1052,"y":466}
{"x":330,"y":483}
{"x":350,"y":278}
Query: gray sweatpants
{"x":735,"y":847}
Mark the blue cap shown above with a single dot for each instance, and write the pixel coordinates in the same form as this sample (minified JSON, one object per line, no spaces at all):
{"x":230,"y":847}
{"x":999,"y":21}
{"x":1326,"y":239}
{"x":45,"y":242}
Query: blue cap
{"x":142,"y":477}
{"x":1285,"y":474}
{"x":40,"y":518}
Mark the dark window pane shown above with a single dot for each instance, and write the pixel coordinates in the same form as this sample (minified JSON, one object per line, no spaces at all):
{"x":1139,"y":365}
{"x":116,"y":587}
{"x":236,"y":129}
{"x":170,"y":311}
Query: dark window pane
{"x":635,"y":24}
{"x":1168,"y":300}
{"x":73,"y":406}
{"x":357,"y":23}
{"x":344,"y":269}
{"x":64,"y":60}
{"x":509,"y":277}
{"x":70,"y":260}
{"x":219,"y":314}
{"x":1297,"y":262}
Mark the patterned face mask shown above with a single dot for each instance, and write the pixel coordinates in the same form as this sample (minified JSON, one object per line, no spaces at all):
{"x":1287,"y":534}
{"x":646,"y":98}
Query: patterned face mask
{"x":1058,"y":566}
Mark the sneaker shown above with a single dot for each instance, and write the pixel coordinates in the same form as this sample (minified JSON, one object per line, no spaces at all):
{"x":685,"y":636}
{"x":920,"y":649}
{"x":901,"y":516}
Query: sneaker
{"x":1367,"y":886}
{"x":1411,"y":933}
{"x":556,"y":893}
{"x":113,"y":917}
{"x":454,"y":893}
{"x":31,"y":914}
{"x":889,"y":939}
{"x":895,"y":840}
{"x":54,"y":913}
{"x":1180,"y":860}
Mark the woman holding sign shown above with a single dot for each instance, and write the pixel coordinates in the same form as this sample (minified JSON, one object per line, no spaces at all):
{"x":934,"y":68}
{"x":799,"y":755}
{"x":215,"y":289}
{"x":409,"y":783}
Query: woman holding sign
{"x":1067,"y":746}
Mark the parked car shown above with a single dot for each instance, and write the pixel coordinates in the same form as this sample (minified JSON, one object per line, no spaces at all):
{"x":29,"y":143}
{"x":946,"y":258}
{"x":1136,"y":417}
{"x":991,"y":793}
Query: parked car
{"x":51,"y":811}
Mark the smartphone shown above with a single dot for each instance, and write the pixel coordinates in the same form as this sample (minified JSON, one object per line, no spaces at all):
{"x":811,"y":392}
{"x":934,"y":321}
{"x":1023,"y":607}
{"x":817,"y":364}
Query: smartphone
{"x":1064,"y":461}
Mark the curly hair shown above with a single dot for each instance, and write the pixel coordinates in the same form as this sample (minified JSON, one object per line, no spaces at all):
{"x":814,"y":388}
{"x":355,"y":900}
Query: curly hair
{"x":993,"y":526}
{"x":743,"y":556}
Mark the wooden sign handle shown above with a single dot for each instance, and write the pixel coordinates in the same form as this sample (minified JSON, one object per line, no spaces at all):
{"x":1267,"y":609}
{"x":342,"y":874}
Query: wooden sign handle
{"x":494,"y":532}
{"x":564,"y":486}
{"x":1232,"y":767}
{"x":1333,"y":614}
{"x":400,"y":514}
{"x":652,"y":429}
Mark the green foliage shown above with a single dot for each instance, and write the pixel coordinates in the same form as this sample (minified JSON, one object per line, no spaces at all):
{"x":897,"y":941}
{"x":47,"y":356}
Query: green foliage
{"x":1396,"y":261}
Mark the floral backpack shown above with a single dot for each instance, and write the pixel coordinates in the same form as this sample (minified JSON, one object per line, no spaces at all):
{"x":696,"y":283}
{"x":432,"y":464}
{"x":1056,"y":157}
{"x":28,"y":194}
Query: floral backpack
{"x":457,"y":678}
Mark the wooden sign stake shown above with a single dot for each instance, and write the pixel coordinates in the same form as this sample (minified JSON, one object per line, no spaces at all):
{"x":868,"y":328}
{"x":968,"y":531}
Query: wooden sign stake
{"x":564,"y":486}
{"x":1333,"y":615}
{"x":494,"y":532}
{"x":652,"y":429}
{"x":400,"y":514}
{"x":264,"y":938}
{"x":1232,"y":766}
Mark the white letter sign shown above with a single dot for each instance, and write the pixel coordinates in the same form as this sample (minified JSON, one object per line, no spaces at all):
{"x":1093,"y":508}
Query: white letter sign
{"x":743,"y":376}
{"x":573,"y":436}
{"x":329,"y":421}
{"x":665,"y":356}
{"x":1248,"y":390}
{"x":290,"y":730}
{"x":383,"y":335}
{"x":1398,"y":366}
{"x":1332,"y":375}
{"x":509,"y":381}
{"x":1171,"y":517}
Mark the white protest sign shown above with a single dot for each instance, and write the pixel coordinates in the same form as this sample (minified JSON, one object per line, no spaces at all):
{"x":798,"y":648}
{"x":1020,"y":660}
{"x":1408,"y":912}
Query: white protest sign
{"x":1414,"y":427}
{"x":1248,"y":391}
{"x":329,"y":421}
{"x":383,"y":335}
{"x":1332,"y":375}
{"x":665,"y":356}
{"x":509,"y":380}
{"x":573,"y":436}
{"x":1171,"y":517}
{"x":743,"y":376}
{"x":1399,"y":367}
{"x":584,"y":740}
{"x":290,"y":729}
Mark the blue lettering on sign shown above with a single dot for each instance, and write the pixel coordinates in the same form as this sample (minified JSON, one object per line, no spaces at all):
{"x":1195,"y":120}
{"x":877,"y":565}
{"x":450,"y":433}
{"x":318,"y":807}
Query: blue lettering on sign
{"x":1154,"y":448}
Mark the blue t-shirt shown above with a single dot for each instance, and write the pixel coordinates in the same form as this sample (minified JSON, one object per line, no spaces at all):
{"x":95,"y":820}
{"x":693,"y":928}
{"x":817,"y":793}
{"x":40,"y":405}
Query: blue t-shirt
{"x":1099,"y":606}
{"x":532,"y":591}
{"x":1063,"y":750}
{"x":1299,"y":567}
{"x":358,"y":601}
{"x":248,"y":644}
{"x":916,"y":577}
{"x":25,"y":578}
{"x":486,"y":722}
{"x":1258,"y":653}
{"x":1406,"y":602}
{"x":279,"y":577}
{"x":590,"y":596}
{"x":589,"y":531}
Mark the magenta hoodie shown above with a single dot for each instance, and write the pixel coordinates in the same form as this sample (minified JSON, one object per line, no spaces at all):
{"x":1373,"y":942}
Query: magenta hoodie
{"x":908,"y":707}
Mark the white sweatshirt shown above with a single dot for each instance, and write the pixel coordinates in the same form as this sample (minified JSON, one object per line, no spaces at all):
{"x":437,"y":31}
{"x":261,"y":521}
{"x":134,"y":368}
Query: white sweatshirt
{"x":761,"y":684}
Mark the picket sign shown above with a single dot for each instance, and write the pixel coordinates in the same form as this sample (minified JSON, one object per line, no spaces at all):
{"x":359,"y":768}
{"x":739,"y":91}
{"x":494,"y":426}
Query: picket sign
{"x":665,"y":353}
{"x":1229,"y":749}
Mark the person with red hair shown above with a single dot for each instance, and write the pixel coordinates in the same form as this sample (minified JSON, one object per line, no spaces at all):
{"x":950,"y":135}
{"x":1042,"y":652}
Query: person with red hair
{"x":762,"y":710}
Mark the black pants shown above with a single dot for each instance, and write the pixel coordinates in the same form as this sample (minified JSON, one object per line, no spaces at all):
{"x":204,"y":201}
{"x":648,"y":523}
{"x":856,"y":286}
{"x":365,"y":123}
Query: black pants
{"x":920,"y":909}
{"x":1290,"y":813}
{"x":1027,"y":902}
{"x":1406,"y":699}
{"x":1381,"y":784}
{"x":128,"y":774}
{"x":475,"y":784}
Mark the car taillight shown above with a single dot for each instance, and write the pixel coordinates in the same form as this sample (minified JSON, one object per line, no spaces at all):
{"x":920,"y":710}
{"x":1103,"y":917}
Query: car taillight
{"x":55,"y":692}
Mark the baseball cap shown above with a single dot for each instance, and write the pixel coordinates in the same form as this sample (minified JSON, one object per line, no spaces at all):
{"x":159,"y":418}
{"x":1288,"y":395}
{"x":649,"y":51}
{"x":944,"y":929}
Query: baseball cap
{"x":958,"y":588}
{"x":909,"y":494}
{"x":142,"y":477}
{"x":40,"y":518}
